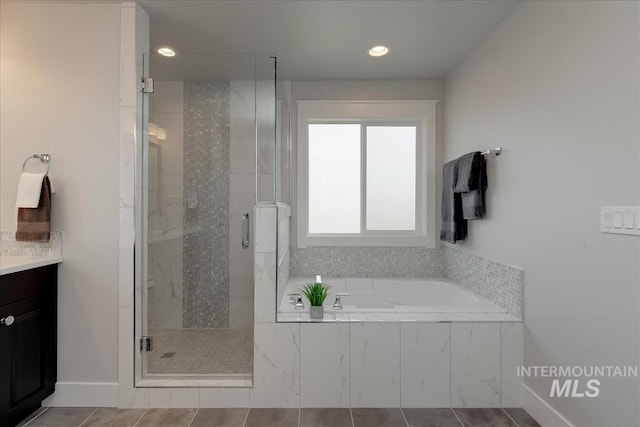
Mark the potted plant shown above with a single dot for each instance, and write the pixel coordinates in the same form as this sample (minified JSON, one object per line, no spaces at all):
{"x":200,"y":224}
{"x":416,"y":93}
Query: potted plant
{"x":316,"y":293}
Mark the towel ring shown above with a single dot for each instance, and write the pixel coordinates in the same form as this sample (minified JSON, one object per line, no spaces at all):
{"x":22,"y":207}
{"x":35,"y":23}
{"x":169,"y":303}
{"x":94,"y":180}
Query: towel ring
{"x":44,"y":158}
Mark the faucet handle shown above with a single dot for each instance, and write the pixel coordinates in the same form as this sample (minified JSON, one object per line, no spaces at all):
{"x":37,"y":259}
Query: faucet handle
{"x":296,"y":300}
{"x":337,"y":305}
{"x":293,"y":297}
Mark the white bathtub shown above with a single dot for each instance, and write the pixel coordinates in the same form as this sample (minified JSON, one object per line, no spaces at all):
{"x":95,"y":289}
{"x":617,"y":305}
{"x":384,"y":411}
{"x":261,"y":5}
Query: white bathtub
{"x":396,"y":299}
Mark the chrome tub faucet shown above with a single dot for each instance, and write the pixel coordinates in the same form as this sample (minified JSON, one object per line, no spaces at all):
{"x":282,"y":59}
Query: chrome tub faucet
{"x":337,"y":305}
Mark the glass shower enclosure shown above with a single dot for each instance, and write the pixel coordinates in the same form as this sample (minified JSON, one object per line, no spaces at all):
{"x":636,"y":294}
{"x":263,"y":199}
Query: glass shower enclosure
{"x":208,"y":156}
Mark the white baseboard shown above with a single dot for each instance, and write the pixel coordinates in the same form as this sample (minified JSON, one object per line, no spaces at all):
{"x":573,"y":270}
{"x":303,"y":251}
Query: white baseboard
{"x":84,"y":395}
{"x":539,"y":409}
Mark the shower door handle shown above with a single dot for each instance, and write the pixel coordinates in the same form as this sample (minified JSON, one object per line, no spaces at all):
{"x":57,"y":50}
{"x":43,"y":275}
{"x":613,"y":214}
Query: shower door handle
{"x":245,"y":230}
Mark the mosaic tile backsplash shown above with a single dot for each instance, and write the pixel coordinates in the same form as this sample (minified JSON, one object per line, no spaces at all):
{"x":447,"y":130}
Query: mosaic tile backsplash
{"x":365,"y":261}
{"x":10,"y":247}
{"x":493,"y":281}
{"x":206,"y":204}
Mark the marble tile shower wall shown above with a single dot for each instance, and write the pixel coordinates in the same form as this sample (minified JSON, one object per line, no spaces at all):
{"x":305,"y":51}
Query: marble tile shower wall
{"x":206,"y":194}
{"x":10,"y":247}
{"x":365,"y":261}
{"x":496,"y":282}
{"x":166,"y":110}
{"x":242,"y":131}
{"x":164,"y":306}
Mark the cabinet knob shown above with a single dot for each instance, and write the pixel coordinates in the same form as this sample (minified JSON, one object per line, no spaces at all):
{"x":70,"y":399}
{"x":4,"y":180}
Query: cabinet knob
{"x":7,"y":321}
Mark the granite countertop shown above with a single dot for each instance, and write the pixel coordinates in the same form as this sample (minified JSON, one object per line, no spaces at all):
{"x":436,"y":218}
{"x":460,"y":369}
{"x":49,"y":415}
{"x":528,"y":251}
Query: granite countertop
{"x":13,"y":264}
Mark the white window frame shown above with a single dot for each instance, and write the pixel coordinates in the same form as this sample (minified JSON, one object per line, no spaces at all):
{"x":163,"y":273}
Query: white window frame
{"x":421,"y":114}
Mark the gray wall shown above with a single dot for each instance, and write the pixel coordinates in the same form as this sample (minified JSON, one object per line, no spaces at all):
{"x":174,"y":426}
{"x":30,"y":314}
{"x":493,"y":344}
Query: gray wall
{"x":50,"y":103}
{"x":556,"y":85}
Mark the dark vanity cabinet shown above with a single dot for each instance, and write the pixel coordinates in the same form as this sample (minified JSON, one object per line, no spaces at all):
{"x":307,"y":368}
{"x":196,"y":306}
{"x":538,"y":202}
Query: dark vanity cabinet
{"x":28,"y":306}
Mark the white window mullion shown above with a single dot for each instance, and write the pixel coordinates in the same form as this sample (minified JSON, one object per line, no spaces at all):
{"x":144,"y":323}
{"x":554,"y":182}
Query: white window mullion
{"x":420,"y":178}
{"x":363,"y":178}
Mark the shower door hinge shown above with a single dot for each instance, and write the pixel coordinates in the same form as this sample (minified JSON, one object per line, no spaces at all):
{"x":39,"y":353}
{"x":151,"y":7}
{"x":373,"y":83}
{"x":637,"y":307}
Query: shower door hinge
{"x":146,"y":85}
{"x":146,"y":344}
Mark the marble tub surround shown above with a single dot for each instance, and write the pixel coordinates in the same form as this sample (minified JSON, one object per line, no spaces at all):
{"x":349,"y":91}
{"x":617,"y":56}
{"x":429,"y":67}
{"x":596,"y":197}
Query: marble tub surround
{"x":10,"y":247}
{"x":499,"y":283}
{"x":265,"y":262}
{"x":415,"y":364}
{"x":426,"y":360}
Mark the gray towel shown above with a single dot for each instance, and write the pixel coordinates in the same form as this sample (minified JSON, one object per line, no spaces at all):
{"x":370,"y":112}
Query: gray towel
{"x":467,"y":178}
{"x":454,"y":226}
{"x":471,"y":183}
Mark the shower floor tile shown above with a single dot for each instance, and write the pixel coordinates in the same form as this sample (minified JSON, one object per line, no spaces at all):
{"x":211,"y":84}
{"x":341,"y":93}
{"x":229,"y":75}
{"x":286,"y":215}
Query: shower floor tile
{"x":201,"y":352}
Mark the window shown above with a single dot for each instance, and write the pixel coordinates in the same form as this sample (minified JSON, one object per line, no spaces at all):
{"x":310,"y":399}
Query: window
{"x":365,"y":173}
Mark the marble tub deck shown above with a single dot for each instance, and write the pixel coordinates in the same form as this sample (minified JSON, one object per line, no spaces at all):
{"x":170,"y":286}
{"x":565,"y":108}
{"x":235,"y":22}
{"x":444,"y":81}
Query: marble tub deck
{"x":333,"y":316}
{"x":272,"y":417}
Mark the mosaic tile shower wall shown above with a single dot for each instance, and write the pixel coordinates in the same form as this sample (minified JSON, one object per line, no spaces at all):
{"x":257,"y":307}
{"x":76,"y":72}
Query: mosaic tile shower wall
{"x":493,"y":281}
{"x":206,"y":205}
{"x":365,"y":261}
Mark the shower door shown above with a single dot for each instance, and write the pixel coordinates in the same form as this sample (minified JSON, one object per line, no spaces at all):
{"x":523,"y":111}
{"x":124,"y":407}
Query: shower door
{"x":194,"y":317}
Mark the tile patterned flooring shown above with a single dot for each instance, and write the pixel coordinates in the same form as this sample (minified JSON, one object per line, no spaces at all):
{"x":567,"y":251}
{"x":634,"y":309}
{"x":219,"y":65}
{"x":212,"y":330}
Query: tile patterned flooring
{"x":273,"y":417}
{"x":201,"y":352}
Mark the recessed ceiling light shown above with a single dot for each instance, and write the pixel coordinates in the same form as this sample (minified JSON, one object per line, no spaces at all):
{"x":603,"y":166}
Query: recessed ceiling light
{"x":378,"y":51}
{"x":166,"y":51}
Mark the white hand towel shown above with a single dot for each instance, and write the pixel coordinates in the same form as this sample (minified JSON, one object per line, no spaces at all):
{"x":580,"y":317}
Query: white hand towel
{"x":29,"y":188}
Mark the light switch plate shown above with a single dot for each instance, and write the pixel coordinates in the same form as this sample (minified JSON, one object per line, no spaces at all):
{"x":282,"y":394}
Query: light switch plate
{"x":620,"y":220}
{"x":617,"y":219}
{"x":627,"y":219}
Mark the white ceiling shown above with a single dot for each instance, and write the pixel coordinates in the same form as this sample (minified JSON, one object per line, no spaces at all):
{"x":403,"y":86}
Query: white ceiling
{"x":321,"y":40}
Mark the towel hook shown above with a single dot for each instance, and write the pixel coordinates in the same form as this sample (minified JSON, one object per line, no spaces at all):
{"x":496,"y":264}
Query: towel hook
{"x":44,"y":158}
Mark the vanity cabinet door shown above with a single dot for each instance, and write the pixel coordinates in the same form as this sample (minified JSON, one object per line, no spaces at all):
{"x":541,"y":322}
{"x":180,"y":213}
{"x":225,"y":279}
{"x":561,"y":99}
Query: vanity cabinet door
{"x":5,"y":371}
{"x":25,"y":341}
{"x":27,"y":348}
